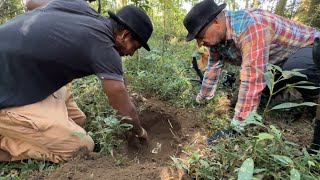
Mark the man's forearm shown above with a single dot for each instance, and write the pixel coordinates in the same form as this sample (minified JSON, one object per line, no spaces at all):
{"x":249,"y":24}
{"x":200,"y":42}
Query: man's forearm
{"x":119,"y":99}
{"x":129,"y":110}
{"x":210,"y":80}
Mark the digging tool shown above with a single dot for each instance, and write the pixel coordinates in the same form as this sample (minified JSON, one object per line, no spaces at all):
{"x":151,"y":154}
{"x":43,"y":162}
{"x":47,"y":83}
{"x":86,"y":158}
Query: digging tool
{"x":229,"y":79}
{"x":196,"y":68}
{"x":316,"y":134}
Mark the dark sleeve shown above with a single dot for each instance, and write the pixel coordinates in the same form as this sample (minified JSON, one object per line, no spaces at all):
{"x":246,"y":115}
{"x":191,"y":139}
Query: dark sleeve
{"x":106,"y":63}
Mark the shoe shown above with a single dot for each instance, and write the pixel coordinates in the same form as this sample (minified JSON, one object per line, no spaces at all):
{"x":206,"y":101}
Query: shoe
{"x":315,"y":146}
{"x":222,"y":133}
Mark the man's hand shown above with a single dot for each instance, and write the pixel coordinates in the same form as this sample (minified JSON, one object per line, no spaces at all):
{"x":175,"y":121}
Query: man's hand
{"x":136,"y":138}
{"x":143,"y":137}
{"x":138,"y":141}
{"x":200,"y":99}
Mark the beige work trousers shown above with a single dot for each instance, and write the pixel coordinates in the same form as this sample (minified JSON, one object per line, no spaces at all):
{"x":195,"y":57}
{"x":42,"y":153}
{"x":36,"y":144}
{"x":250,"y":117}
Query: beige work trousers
{"x":49,"y":129}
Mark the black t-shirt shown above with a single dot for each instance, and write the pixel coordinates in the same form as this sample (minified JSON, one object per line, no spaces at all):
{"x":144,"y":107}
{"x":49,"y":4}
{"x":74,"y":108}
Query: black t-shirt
{"x":44,"y":49}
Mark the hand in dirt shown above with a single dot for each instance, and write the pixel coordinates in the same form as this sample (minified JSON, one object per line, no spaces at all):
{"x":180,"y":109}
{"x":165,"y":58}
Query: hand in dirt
{"x":138,"y":141}
{"x":144,"y":138}
{"x":196,"y":99}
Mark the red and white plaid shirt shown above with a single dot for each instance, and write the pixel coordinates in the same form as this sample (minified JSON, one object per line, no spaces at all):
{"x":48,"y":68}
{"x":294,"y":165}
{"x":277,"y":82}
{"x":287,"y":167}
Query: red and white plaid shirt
{"x":254,"y":38}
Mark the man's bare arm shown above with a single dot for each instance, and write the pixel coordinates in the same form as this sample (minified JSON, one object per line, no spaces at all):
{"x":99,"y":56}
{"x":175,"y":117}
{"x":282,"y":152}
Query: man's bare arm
{"x":119,"y":99}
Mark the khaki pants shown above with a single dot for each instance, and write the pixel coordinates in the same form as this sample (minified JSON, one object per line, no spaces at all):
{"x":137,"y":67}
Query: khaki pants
{"x":44,"y":130}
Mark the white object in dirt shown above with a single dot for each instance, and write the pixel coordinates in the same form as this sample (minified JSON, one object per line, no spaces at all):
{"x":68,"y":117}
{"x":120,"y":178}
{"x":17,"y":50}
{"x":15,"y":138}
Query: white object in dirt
{"x":157,"y":149}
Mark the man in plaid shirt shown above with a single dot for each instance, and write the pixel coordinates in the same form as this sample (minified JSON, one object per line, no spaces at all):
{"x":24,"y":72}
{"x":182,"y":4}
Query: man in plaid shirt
{"x":250,"y":39}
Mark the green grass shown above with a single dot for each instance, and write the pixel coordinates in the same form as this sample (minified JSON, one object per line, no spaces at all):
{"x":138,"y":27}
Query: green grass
{"x":21,"y":169}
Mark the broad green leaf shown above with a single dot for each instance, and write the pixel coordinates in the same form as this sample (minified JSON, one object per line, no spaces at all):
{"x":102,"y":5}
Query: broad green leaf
{"x":290,"y":105}
{"x":296,"y":70}
{"x":289,"y":74}
{"x":299,"y":74}
{"x":263,"y":136}
{"x":254,"y":118}
{"x":306,"y":87}
{"x":277,"y":68}
{"x":305,"y":153}
{"x":286,"y":74}
{"x":302,"y":82}
{"x":294,"y":174}
{"x":270,"y":67}
{"x":283,"y":159}
{"x":269,"y":77}
{"x":246,"y":170}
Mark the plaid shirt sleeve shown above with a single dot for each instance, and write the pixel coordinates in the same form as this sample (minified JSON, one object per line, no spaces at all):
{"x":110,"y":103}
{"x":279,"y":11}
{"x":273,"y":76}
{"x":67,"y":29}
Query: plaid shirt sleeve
{"x":254,"y":43}
{"x":211,"y":76}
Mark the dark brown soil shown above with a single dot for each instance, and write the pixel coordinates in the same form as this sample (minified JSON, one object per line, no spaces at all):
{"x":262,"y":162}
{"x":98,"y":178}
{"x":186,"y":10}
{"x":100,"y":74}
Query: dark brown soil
{"x":167,"y":127}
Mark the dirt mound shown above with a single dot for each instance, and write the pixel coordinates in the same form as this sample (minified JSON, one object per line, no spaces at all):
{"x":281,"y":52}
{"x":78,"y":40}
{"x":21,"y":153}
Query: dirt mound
{"x":168,"y":128}
{"x":105,"y":168}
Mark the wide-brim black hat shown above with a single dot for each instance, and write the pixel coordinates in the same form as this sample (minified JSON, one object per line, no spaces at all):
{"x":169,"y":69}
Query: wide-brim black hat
{"x":137,"y":21}
{"x":201,"y":15}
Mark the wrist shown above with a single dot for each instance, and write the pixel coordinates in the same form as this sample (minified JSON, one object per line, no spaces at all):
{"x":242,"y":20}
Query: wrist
{"x":137,"y":130}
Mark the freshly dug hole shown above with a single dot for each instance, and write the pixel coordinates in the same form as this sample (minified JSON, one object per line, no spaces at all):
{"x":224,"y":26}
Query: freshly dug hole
{"x":163,"y":131}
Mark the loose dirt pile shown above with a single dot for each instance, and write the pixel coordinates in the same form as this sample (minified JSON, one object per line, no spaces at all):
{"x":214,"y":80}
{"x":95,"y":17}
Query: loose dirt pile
{"x":168,"y":128}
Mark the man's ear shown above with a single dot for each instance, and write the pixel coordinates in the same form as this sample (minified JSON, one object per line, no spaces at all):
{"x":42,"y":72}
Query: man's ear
{"x":216,"y":20}
{"x":126,"y":33}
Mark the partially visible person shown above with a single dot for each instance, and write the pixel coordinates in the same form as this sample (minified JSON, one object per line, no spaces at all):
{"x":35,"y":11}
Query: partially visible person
{"x":250,"y":39}
{"x":46,"y":48}
{"x":202,"y":56}
{"x":32,"y":4}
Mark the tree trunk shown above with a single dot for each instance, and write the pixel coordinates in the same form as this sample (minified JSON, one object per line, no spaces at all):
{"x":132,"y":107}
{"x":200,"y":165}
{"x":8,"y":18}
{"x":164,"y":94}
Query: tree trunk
{"x":292,"y":8}
{"x":281,"y":7}
{"x":247,"y":4}
{"x":233,"y":5}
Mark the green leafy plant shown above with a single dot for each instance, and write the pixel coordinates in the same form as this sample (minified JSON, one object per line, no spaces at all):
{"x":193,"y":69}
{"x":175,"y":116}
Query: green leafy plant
{"x":162,"y":75}
{"x":102,"y":124}
{"x":21,"y":169}
{"x":106,"y":133}
{"x":271,"y":80}
{"x":261,"y":153}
